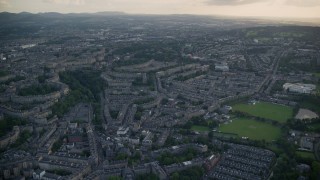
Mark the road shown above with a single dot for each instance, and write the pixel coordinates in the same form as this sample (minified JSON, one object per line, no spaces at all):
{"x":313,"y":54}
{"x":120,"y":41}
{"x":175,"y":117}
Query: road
{"x":272,"y":78}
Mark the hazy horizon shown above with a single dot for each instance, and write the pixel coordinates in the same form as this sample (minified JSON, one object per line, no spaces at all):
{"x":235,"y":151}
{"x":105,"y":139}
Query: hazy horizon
{"x":238,"y":8}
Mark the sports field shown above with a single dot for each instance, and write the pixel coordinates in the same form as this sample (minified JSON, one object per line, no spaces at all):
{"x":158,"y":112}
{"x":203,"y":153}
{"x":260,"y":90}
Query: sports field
{"x":266,"y":110}
{"x":200,"y":128}
{"x":252,"y":129}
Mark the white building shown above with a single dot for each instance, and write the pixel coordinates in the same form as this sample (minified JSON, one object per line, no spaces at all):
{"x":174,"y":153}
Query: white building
{"x":122,"y":131}
{"x":299,"y":88}
{"x":221,"y":67}
{"x":38,"y":174}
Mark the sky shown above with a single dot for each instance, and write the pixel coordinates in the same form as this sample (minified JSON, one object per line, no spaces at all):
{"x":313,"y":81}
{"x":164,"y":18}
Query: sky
{"x":264,"y":8}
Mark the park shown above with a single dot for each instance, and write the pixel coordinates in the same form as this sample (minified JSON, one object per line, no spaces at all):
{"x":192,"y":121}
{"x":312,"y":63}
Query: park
{"x":276,"y":112}
{"x":252,"y":129}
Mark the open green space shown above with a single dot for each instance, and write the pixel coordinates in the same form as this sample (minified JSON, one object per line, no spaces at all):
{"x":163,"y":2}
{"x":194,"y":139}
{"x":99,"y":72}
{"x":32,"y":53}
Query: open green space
{"x":306,"y":155}
{"x":314,"y":127}
{"x":224,"y":135}
{"x":252,"y":33}
{"x":7,"y":123}
{"x":23,"y":137}
{"x":167,"y":158}
{"x":266,"y":110}
{"x":200,"y":124}
{"x":274,"y":148}
{"x":86,"y":85}
{"x":3,"y":73}
{"x":289,"y":34}
{"x":199,"y":128}
{"x":195,"y":172}
{"x":252,"y":129}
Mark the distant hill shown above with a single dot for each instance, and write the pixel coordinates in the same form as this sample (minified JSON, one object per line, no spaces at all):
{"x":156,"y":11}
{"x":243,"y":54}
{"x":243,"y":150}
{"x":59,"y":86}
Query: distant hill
{"x":8,"y":19}
{"x":109,"y":13}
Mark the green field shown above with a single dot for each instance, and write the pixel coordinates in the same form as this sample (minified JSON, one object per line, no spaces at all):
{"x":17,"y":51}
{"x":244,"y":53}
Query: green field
{"x":317,"y":74}
{"x":3,"y":73}
{"x":251,"y":128}
{"x":307,"y":155}
{"x":266,"y":110}
{"x":224,"y":135}
{"x":200,"y":128}
{"x":289,"y":34}
{"x":314,"y":127}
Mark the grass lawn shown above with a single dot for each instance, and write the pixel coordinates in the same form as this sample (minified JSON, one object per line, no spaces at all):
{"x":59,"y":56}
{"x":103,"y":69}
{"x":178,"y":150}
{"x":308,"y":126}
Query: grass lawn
{"x":251,"y":128}
{"x":200,"y":128}
{"x":266,"y":110}
{"x":274,"y":149}
{"x":317,"y":74}
{"x":3,"y":73}
{"x":314,"y":127}
{"x":224,"y":135}
{"x":307,"y":155}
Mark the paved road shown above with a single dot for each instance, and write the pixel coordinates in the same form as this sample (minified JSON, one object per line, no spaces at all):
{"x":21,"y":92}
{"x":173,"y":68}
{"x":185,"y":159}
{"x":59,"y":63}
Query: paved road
{"x":273,"y":77}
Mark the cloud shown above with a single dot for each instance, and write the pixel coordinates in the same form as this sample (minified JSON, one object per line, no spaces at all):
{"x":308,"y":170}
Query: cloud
{"x":4,"y":3}
{"x":303,"y":3}
{"x":231,"y":2}
{"x":66,"y":2}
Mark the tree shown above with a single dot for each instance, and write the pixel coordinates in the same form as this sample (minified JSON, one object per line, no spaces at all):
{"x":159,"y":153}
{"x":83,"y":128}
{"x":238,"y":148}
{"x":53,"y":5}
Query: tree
{"x":114,"y":178}
{"x":164,"y":101}
{"x":202,"y":140}
{"x":315,"y":170}
{"x":285,"y":168}
{"x":149,"y":176}
{"x":175,"y":176}
{"x":210,"y":134}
